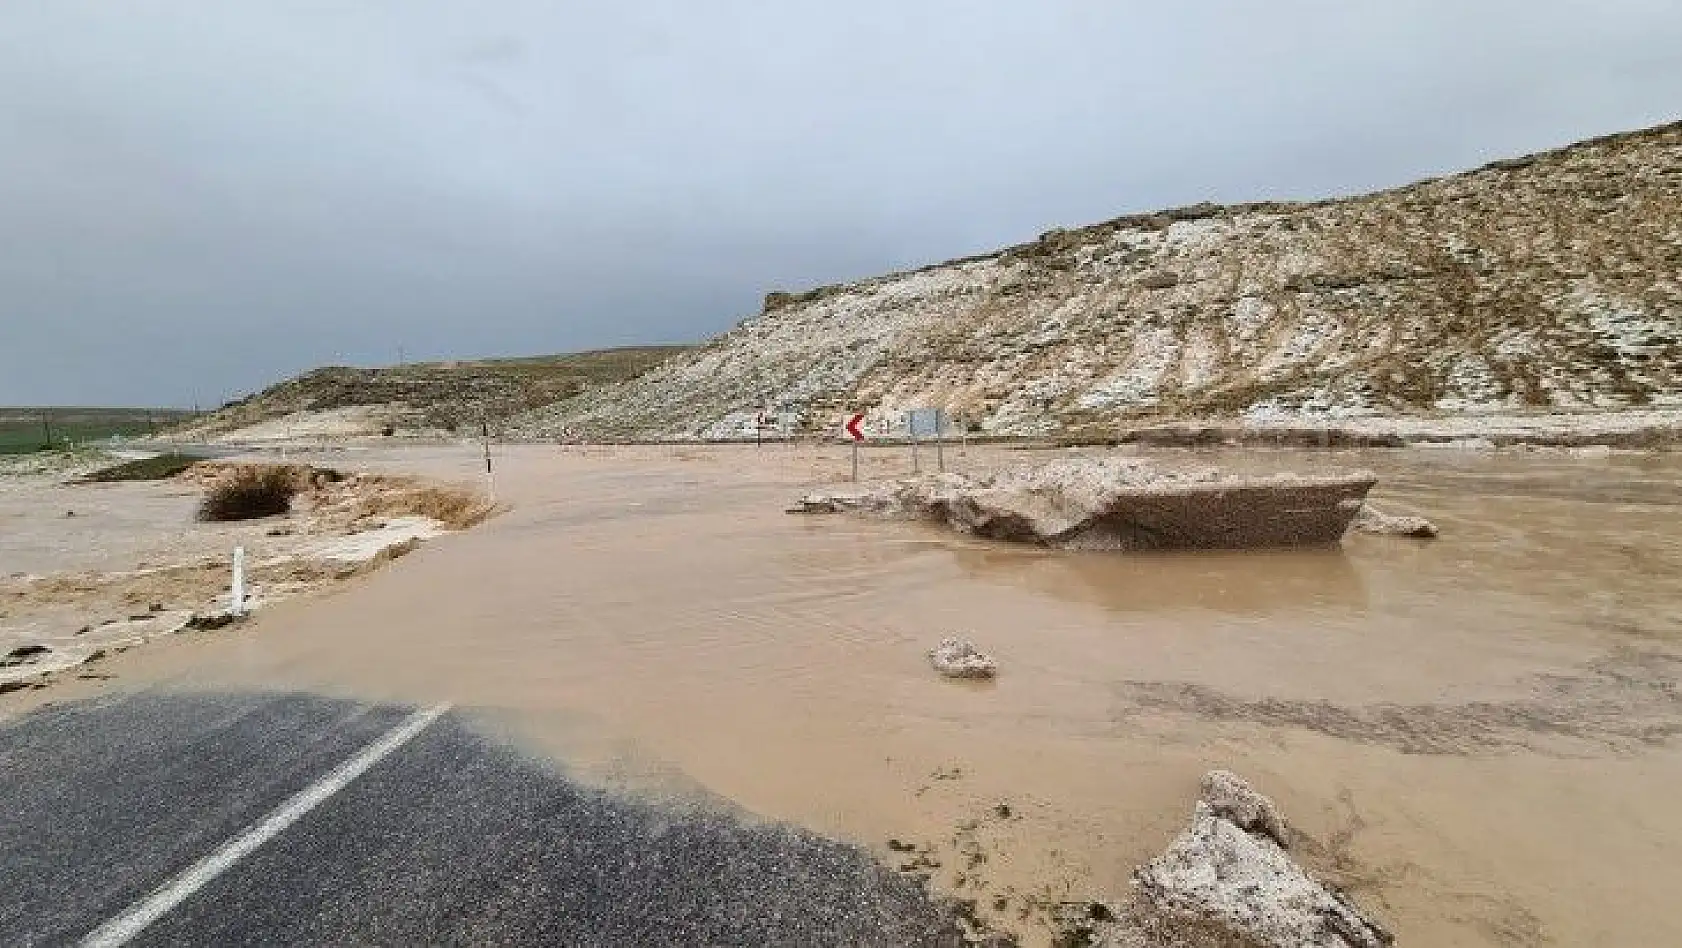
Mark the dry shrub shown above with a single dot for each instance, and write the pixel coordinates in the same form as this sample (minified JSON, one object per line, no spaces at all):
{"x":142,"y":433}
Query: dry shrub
{"x":208,"y":473}
{"x":456,"y":508}
{"x":250,"y":492}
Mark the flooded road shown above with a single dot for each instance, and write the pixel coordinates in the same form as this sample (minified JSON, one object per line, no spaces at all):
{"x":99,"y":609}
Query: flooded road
{"x":1478,"y":734}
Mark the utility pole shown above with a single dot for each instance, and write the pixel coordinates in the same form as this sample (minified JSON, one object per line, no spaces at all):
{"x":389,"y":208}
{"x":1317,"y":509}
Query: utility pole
{"x":47,"y":426}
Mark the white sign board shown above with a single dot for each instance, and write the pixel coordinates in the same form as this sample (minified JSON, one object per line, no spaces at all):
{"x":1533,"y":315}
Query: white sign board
{"x":924,"y":422}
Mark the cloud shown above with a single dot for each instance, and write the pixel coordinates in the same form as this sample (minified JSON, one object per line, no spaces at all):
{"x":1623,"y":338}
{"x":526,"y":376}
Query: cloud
{"x":199,"y":198}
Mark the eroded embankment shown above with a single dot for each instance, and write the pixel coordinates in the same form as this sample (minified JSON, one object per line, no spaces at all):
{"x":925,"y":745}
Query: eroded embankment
{"x":128,"y":561}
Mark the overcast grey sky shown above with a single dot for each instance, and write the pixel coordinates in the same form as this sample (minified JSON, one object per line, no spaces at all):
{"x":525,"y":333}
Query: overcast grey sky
{"x":197,"y":198}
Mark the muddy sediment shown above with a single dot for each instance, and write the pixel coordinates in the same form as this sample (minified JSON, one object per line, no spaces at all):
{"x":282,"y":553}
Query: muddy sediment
{"x":1620,"y":702}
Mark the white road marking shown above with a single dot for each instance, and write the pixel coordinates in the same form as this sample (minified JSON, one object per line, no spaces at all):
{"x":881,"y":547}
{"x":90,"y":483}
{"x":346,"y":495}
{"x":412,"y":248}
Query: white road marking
{"x":136,"y":917}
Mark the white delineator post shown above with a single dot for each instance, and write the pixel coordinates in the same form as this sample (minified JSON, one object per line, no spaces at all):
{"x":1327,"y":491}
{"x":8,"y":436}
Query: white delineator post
{"x":236,"y":593}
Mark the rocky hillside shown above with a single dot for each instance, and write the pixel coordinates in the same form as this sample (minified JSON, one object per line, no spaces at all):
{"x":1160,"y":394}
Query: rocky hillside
{"x":1546,"y":283}
{"x":420,"y":397}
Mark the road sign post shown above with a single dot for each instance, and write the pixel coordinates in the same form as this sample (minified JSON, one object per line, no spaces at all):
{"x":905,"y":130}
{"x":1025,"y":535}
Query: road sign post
{"x":939,"y":441}
{"x":920,"y":423}
{"x":854,"y":432}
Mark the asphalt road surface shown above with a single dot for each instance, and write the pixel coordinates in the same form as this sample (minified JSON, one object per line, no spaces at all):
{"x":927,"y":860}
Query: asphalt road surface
{"x":295,"y":820}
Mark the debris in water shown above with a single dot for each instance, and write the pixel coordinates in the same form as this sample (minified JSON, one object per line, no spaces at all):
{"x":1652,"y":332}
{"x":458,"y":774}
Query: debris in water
{"x":814,"y":504}
{"x":959,"y":658}
{"x":1369,"y":520}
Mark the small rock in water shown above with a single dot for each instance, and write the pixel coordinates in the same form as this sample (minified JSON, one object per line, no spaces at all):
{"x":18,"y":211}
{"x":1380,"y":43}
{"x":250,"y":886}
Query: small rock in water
{"x":1368,"y":520}
{"x":212,"y":621}
{"x":1592,"y":451}
{"x":959,"y":658}
{"x":814,"y":504}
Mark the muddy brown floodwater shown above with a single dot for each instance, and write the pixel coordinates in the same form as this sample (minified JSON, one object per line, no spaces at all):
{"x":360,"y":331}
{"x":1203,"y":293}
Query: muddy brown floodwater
{"x":1479,"y":735}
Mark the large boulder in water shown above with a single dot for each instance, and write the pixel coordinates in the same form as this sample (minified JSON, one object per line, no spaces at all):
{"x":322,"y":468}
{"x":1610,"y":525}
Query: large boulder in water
{"x":1217,"y":873}
{"x":1226,"y":882}
{"x":1119,"y":503}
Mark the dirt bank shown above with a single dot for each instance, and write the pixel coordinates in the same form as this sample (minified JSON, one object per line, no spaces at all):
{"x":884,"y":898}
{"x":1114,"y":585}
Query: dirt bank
{"x":93,"y":569}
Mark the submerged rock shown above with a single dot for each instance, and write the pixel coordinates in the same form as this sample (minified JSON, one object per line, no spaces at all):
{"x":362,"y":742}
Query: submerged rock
{"x":814,"y":504}
{"x":959,"y":658}
{"x":1120,"y":503}
{"x":1368,"y":520}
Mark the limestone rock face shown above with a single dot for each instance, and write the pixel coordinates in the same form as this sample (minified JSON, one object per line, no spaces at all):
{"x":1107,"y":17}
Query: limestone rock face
{"x":1546,"y":285}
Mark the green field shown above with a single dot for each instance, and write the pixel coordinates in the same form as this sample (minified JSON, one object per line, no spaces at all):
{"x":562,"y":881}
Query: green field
{"x":23,"y":430}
